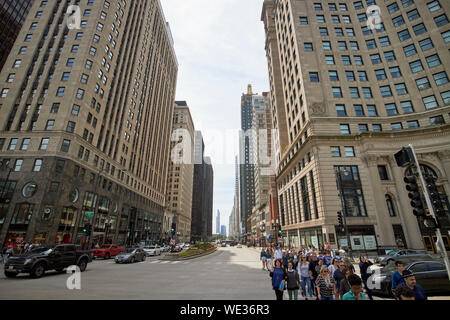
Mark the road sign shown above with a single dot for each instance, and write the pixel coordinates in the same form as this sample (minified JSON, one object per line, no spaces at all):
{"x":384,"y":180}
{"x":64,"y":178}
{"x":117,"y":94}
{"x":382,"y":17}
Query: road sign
{"x":89,"y":214}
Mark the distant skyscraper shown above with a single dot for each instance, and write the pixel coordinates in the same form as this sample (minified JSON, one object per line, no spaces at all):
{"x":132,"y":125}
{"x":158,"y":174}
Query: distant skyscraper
{"x":223,"y":231}
{"x":202,"y":194}
{"x":247,"y":186}
{"x":218,"y":222}
{"x":12,"y":17}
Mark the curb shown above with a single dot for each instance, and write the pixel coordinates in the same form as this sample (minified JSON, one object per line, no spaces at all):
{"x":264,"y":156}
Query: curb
{"x":191,"y":256}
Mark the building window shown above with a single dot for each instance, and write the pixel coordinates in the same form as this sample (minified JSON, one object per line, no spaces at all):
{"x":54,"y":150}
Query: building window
{"x":413,"y":124}
{"x":407,"y":106}
{"x":37,"y":165}
{"x":382,"y":171}
{"x":351,"y":191}
{"x":440,"y":78}
{"x":340,"y":110}
{"x":50,"y":124}
{"x":345,"y":129}
{"x":335,"y":152}
{"x":437,"y":120}
{"x":349,"y":151}
{"x":314,"y":76}
{"x":65,"y":146}
{"x":430,"y":102}
{"x":303,"y":20}
{"x":396,"y":126}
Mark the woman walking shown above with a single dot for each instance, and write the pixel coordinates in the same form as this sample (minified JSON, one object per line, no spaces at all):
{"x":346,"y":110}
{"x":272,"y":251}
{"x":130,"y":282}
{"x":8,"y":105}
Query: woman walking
{"x":334,"y":266}
{"x":278,"y":275}
{"x":306,"y":276}
{"x":263,"y":258}
{"x":269,"y":257}
{"x":293,"y":281}
{"x":364,"y":265}
{"x":325,"y":285}
{"x":344,"y":285}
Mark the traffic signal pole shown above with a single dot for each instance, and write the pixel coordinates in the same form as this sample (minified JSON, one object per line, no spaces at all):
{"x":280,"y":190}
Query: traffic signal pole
{"x":430,"y":207}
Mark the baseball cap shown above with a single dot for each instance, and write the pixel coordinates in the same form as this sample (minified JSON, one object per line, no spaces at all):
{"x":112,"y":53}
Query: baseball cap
{"x":407,"y":274}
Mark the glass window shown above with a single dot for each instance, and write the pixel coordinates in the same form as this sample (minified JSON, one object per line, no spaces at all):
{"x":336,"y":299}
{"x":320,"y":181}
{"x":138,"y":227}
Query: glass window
{"x":359,"y":111}
{"x":416,"y":66}
{"x":426,"y":44}
{"x":340,"y":110}
{"x":329,"y":60}
{"x":303,"y":20}
{"x":377,"y":127}
{"x":375,"y":58}
{"x":372,"y":110}
{"x":430,"y":102}
{"x":407,"y":106}
{"x":386,"y":91}
{"x":354,"y":92}
{"x":350,"y":75}
{"x":308,"y":46}
{"x":326,"y":45}
{"x":433,"y":60}
{"x":434,"y":6}
{"x":404,"y":35}
{"x":440,"y":78}
{"x":398,"y":21}
{"x":37,"y":165}
{"x":346,"y":60}
{"x":400,"y":88}
{"x":382,"y":171}
{"x":410,"y":50}
{"x":393,"y":8}
{"x":437,"y":120}
{"x":314,"y":76}
{"x":335,"y":152}
{"x":441,"y":20}
{"x":371,"y":44}
{"x":323,"y":31}
{"x":396,"y":126}
{"x":391,"y":109}
{"x":349,"y":151}
{"x":413,"y":124}
{"x":413,"y":15}
{"x":389,"y":56}
{"x":345,"y":129}
{"x":333,"y":75}
{"x":367,"y":92}
{"x":320,"y":18}
{"x":445,"y":96}
{"x":384,"y":41}
{"x":446,"y":36}
{"x":337,"y":92}
{"x":380,"y":74}
{"x":419,"y":29}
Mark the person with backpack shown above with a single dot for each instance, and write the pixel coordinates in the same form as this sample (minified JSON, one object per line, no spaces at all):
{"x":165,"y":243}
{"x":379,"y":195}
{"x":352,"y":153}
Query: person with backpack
{"x":278,"y":276}
{"x":293,"y":281}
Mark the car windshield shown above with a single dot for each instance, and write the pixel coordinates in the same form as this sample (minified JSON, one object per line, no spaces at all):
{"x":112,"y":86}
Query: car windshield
{"x":47,"y":251}
{"x":392,"y":253}
{"x":106,"y":246}
{"x":130,"y":250}
{"x":38,"y":250}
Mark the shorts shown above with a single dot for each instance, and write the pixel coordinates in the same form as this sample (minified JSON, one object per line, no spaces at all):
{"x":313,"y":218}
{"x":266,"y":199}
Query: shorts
{"x":263,"y":258}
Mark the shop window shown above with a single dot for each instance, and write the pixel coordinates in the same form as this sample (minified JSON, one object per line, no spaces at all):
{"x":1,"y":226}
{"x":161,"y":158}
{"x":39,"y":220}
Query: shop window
{"x":22,"y":214}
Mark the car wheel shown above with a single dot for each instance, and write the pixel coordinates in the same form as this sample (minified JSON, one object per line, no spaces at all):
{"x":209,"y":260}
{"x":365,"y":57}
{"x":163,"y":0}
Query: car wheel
{"x":82,"y":265}
{"x":144,"y":257}
{"x":107,"y":256}
{"x":10,"y":274}
{"x":38,"y":271}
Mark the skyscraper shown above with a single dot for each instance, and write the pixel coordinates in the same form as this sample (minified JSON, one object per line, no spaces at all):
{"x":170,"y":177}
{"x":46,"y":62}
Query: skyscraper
{"x":218,"y":222}
{"x":181,"y":171}
{"x":202,"y":194}
{"x":223,"y":230}
{"x":354,"y":94}
{"x":12,"y":17}
{"x":246,"y":161}
{"x":86,"y":124}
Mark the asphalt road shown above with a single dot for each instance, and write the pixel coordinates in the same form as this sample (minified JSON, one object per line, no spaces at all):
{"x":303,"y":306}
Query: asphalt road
{"x":228,"y":274}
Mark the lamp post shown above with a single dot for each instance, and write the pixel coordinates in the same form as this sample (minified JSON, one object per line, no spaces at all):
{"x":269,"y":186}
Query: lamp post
{"x":344,"y":205}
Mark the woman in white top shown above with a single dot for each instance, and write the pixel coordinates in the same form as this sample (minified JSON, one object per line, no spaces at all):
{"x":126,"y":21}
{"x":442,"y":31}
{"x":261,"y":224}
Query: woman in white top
{"x":334,"y":266}
{"x":305,"y":274}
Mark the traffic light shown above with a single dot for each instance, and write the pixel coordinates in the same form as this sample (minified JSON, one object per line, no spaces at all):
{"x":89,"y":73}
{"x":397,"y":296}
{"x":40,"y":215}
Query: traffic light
{"x":414,"y":195}
{"x":340,"y":219}
{"x":85,"y":228}
{"x":437,"y":198}
{"x":173,"y":228}
{"x":280,"y":231}
{"x":404,"y":157}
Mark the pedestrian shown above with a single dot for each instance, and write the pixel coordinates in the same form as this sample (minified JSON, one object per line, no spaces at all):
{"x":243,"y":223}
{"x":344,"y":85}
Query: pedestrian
{"x":313,"y":267}
{"x":364,"y":268}
{"x":9,"y":253}
{"x":327,"y":260}
{"x":411,"y":283}
{"x":278,"y":254}
{"x":4,"y":250}
{"x":338,"y":275}
{"x":334,"y":266}
{"x":397,"y":276}
{"x":344,"y":284}
{"x":285,"y":260}
{"x":355,"y":292}
{"x":263,"y":258}
{"x":348,"y":263}
{"x":306,"y":276}
{"x":293,"y":281}
{"x":278,"y":275}
{"x":405,"y":293}
{"x":269,"y":256}
{"x":325,"y":285}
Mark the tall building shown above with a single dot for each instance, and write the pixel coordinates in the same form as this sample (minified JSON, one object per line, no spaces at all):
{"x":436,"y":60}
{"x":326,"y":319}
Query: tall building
{"x":209,"y":192}
{"x":218,"y":222}
{"x":223,"y":230}
{"x":353,"y":96}
{"x":246,"y":161}
{"x":12,"y":17}
{"x":86,"y":124}
{"x":181,"y":171}
{"x":202,"y":193}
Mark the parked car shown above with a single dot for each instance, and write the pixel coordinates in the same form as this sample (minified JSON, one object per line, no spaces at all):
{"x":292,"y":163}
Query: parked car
{"x":430,"y":274}
{"x":107,"y":251}
{"x":239,"y":246}
{"x":176,"y":249}
{"x":154,"y":250}
{"x":38,"y":261}
{"x":166,"y":248}
{"x":391,"y":256}
{"x":131,"y":255}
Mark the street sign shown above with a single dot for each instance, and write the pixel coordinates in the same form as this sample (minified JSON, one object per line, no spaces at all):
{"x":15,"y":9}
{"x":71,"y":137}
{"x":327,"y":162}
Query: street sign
{"x":89,"y":214}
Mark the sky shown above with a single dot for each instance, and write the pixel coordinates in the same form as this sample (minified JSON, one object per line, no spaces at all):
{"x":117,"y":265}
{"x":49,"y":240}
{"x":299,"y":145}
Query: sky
{"x":219,"y":45}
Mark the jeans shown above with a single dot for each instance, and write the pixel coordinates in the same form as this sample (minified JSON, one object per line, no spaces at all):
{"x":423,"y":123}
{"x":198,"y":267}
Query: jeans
{"x":3,"y":259}
{"x":327,"y":298}
{"x":279,"y":294}
{"x":269,"y":264}
{"x":295,"y":292}
{"x":306,"y":280}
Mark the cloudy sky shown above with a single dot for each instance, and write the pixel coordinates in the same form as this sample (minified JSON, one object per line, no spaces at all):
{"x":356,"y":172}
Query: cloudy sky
{"x":220,"y":49}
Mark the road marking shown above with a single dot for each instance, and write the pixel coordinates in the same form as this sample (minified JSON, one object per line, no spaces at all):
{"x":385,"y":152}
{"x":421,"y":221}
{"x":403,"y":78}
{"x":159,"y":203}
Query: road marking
{"x":155,"y":261}
{"x":163,"y":262}
{"x":175,"y":262}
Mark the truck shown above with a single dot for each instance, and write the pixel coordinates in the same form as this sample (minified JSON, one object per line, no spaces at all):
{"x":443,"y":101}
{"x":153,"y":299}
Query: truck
{"x":36,"y":263}
{"x":107,"y":251}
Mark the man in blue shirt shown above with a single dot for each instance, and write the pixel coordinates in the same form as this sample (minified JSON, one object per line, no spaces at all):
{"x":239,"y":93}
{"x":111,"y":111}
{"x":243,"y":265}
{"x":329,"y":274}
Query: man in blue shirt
{"x":411,"y":283}
{"x":327,"y":260}
{"x":397,"y":276}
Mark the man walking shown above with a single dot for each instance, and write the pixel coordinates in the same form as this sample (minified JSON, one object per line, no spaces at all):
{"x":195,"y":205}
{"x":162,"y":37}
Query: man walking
{"x":411,"y":283}
{"x":278,"y":254}
{"x":397,"y":276}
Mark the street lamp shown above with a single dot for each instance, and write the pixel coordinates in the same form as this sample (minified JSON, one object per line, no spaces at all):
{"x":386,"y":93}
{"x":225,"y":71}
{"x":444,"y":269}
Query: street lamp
{"x":346,"y":172}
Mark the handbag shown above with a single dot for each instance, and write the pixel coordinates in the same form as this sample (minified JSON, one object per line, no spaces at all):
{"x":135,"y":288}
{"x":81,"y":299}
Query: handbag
{"x":282,"y":286}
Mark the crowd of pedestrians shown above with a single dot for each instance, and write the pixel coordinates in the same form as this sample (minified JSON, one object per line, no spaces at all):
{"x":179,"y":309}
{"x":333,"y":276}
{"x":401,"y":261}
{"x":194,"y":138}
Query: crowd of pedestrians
{"x":8,"y":251}
{"x":329,"y":275}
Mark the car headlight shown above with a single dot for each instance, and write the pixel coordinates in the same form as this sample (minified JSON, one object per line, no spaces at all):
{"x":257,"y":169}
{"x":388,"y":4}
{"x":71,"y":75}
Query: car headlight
{"x":27,"y":261}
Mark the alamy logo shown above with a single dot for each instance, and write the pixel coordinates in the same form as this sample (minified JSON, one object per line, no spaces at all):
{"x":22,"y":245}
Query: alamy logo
{"x":374,"y":281}
{"x":74,"y":281}
{"x":74,"y":18}
{"x":374,"y":17}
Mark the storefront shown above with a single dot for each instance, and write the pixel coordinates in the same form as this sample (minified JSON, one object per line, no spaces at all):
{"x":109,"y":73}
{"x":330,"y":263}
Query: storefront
{"x":311,"y":238}
{"x":362,"y":238}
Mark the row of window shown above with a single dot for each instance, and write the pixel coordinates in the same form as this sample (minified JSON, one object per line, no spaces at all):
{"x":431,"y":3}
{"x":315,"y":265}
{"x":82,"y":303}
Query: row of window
{"x":345,"y":128}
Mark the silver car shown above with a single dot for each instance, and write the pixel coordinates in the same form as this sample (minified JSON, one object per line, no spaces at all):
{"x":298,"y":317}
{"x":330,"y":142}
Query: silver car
{"x":131,"y":255}
{"x":154,"y":250}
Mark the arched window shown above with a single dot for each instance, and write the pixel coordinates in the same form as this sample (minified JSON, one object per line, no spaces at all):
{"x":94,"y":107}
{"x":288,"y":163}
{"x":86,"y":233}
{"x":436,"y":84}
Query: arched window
{"x":390,"y":206}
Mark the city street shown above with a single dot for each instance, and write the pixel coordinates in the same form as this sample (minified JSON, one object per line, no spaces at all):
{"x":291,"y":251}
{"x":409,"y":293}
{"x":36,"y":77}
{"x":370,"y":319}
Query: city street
{"x":229,"y":273}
